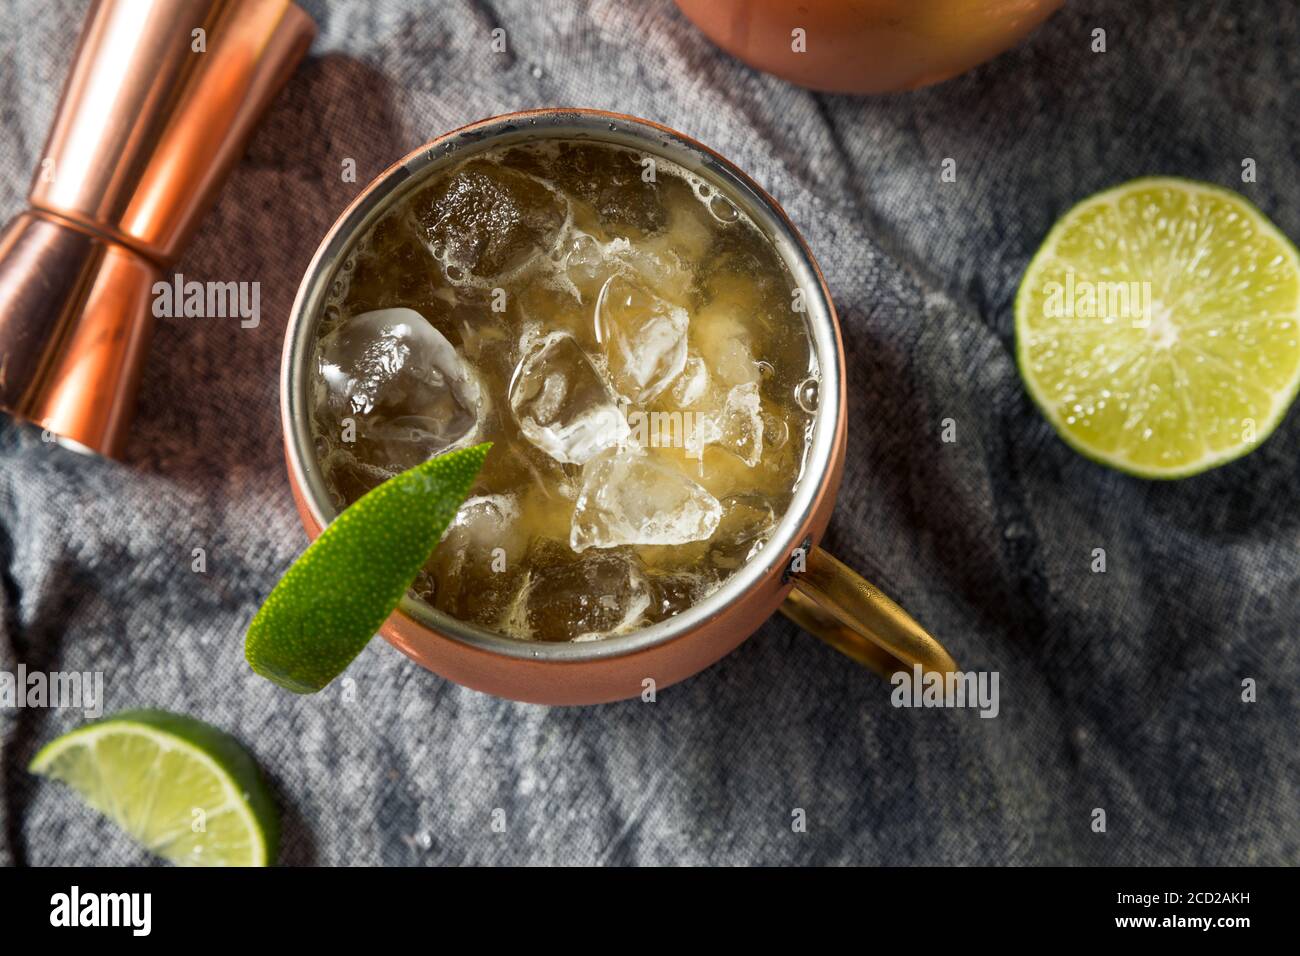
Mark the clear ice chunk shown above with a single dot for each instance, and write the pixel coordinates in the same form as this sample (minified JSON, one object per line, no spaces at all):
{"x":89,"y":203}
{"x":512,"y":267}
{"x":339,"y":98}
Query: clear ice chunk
{"x":403,"y":384}
{"x":588,"y":262}
{"x":724,"y":344}
{"x":742,"y":424}
{"x":692,"y":383}
{"x":628,"y":497}
{"x":644,"y":337}
{"x":561,"y":402}
{"x":587,"y":598}
{"x":486,"y":522}
{"x":476,"y":568}
{"x":736,"y":426}
{"x":612,"y":183}
{"x":488,"y":220}
{"x":675,"y":591}
{"x":747,"y":520}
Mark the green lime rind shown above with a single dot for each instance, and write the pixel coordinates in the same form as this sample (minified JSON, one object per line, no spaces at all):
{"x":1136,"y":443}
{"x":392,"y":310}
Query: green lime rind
{"x":1282,"y":397}
{"x":149,"y":770}
{"x":332,"y":600}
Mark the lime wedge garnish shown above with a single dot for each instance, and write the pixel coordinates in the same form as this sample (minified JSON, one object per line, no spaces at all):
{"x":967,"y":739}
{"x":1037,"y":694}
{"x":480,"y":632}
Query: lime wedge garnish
{"x":331,"y":601}
{"x":179,"y":787}
{"x":1156,"y":328}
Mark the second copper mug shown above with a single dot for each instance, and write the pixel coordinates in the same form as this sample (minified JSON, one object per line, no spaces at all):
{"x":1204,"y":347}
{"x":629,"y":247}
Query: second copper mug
{"x":791,"y":573}
{"x":866,"y":46}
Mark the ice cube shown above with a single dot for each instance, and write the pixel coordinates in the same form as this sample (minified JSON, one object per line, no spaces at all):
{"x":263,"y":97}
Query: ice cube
{"x":660,"y":268}
{"x":561,"y":402}
{"x":588,"y":262}
{"x":724,"y":344}
{"x":488,"y":220}
{"x":742,"y":424}
{"x":747,"y":520}
{"x":628,"y":497}
{"x":644,"y":337}
{"x":582,"y":599}
{"x":614,"y":183}
{"x":692,"y":383}
{"x":674,"y":592}
{"x":405,"y":441}
{"x":485,"y":523}
{"x":735,"y":424}
{"x":478,"y":565}
{"x":404,"y":386}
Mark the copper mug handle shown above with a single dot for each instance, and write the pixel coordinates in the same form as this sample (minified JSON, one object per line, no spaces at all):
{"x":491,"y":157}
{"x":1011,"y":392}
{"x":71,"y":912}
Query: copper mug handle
{"x":835,"y":603}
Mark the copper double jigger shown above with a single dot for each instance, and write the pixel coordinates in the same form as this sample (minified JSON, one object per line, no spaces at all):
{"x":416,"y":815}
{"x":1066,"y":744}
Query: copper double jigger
{"x":159,"y":104}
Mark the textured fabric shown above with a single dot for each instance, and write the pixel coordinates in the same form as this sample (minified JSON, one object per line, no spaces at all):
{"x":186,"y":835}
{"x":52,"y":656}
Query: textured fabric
{"x":1119,"y":690}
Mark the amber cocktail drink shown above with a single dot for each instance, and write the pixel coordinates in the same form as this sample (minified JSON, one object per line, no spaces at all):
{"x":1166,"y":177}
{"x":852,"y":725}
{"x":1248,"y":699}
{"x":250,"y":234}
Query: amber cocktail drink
{"x":629,"y":340}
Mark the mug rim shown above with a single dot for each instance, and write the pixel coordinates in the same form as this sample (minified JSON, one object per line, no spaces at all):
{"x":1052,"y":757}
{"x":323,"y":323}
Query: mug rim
{"x":600,"y":126}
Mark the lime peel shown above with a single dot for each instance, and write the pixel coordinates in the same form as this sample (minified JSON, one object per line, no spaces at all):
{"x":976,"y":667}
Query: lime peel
{"x":331,"y":601}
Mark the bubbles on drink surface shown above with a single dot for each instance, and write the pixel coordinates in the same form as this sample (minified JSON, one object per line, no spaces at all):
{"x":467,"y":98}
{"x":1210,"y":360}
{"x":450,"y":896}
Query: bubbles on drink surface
{"x":627,"y":342}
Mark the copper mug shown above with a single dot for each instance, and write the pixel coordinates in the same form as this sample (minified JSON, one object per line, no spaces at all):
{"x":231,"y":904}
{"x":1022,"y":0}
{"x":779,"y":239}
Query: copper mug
{"x":866,"y":46}
{"x":791,"y":573}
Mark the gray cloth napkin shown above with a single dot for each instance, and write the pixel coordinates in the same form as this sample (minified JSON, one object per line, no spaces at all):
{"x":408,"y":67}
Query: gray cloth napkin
{"x":1119,"y":691}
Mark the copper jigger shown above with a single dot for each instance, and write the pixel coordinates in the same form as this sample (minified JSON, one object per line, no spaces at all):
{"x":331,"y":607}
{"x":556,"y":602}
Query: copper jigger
{"x":159,"y":105}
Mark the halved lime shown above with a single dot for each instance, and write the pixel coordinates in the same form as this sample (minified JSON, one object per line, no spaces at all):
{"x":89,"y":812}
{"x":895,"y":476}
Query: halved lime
{"x":1156,"y":328}
{"x":181,"y":788}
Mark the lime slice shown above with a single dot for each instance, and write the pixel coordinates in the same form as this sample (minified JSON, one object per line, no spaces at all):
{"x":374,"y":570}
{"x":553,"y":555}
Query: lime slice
{"x":179,"y":787}
{"x":1156,"y":328}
